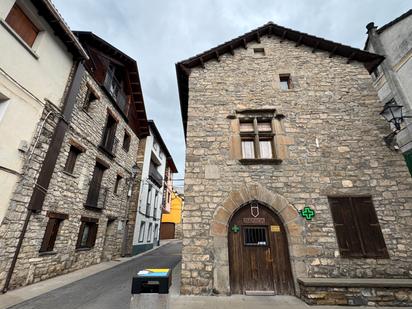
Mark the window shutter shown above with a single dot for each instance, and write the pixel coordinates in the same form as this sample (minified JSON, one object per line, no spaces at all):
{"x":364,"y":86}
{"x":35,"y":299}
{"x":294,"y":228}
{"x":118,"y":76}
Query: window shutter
{"x":48,"y":235}
{"x":92,"y":235}
{"x":22,"y":25}
{"x":80,"y":236}
{"x":95,"y":184}
{"x":373,"y":241}
{"x":346,"y":232}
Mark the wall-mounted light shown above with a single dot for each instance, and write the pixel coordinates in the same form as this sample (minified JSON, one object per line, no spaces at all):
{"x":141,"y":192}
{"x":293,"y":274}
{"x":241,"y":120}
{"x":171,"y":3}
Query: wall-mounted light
{"x":392,"y":112}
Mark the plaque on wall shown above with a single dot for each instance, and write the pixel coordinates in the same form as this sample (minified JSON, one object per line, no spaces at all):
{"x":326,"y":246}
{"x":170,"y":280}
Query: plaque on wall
{"x":254,"y":220}
{"x":275,"y":228}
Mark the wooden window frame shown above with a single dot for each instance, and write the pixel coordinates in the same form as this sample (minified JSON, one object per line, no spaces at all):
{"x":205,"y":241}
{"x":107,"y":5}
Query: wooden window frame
{"x":71,"y":160}
{"x":256,"y":136}
{"x":285,"y":78}
{"x":93,"y":226}
{"x":16,"y":19}
{"x":126,"y":141}
{"x":352,"y":233}
{"x":51,"y":232}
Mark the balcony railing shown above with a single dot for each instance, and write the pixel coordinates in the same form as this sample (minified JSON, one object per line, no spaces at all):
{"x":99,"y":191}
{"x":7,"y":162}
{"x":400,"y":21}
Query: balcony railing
{"x":114,"y":88}
{"x":155,"y":177}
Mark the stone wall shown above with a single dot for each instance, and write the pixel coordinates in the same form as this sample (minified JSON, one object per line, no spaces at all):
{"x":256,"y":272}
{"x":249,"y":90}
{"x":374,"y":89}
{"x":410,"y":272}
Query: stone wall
{"x":67,"y":194}
{"x":332,"y":102}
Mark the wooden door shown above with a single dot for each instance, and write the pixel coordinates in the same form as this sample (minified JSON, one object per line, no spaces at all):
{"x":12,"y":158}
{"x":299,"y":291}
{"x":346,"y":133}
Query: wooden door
{"x":167,"y":230}
{"x":258,"y":253}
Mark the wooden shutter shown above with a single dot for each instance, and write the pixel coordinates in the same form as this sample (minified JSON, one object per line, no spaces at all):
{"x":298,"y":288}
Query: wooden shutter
{"x":22,"y":25}
{"x":71,"y":159}
{"x":50,"y":235}
{"x":95,"y":185}
{"x":80,"y":236}
{"x":92,"y":235}
{"x":344,"y":222}
{"x":371,"y":234}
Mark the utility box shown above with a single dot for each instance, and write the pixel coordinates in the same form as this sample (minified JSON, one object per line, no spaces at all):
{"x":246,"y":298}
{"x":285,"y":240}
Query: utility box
{"x":152,"y":280}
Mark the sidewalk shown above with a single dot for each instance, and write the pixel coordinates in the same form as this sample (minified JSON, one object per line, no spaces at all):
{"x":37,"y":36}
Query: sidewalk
{"x":22,"y":294}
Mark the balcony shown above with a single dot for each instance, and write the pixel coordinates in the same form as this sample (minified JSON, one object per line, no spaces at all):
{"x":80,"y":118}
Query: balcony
{"x":155,"y":177}
{"x":114,"y":88}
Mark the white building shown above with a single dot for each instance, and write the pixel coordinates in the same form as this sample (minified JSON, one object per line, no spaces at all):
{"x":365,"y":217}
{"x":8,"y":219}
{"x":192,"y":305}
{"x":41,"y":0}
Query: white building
{"x":393,"y":78}
{"x":149,"y":211}
{"x":38,"y":54}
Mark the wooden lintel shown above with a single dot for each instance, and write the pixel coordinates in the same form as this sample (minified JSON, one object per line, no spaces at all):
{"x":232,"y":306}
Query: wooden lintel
{"x":351,"y":57}
{"x":232,"y":52}
{"x":333,"y":51}
{"x":316,"y":47}
{"x":244,"y":43}
{"x":258,"y":37}
{"x":217,"y":56}
{"x":202,"y":62}
{"x":299,"y":41}
{"x":283,"y":36}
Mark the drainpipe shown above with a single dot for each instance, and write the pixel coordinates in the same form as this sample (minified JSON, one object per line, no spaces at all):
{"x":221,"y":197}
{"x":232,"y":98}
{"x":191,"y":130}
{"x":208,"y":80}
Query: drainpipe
{"x":49,"y":162}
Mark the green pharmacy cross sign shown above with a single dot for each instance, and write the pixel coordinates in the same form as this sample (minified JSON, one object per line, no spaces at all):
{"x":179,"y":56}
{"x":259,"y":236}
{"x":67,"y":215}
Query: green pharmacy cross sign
{"x":307,"y":213}
{"x":235,"y":228}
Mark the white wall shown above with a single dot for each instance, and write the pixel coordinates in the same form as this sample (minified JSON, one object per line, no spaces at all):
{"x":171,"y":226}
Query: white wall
{"x":28,"y":76}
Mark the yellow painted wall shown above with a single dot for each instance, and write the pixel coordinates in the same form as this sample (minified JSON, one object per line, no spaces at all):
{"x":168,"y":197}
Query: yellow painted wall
{"x":175,"y":215}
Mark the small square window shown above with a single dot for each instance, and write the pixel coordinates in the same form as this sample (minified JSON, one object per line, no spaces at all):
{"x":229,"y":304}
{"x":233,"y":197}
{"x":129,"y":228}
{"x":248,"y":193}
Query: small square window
{"x":90,"y":97}
{"x":259,"y":51}
{"x":87,"y":233}
{"x":255,"y":236}
{"x":52,"y":229}
{"x":285,"y":82}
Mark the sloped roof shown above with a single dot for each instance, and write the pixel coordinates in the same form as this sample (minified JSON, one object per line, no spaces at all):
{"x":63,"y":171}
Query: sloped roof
{"x":370,"y":60}
{"x":159,"y":139}
{"x":388,"y":25}
{"x":60,"y":28}
{"x":137,"y":116}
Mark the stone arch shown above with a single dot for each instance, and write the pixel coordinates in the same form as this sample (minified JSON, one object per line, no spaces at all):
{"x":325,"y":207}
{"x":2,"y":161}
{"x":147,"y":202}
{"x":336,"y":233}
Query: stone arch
{"x":293,"y":223}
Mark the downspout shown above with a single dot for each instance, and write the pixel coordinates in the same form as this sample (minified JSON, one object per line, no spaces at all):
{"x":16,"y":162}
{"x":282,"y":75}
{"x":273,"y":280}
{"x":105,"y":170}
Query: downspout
{"x":49,"y":163}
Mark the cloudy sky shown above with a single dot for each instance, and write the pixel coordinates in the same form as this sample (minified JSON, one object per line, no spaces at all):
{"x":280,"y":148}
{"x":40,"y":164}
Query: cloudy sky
{"x":159,"y":33}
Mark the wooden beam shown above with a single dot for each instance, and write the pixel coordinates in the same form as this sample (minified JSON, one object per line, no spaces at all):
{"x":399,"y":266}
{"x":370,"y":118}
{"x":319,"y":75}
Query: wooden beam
{"x":351,"y":57}
{"x":232,"y":51}
{"x":283,"y":36}
{"x":316,"y":47}
{"x":269,"y":32}
{"x":333,"y":51}
{"x":257,"y":37}
{"x":217,"y":56}
{"x":244,"y":43}
{"x":299,"y":41}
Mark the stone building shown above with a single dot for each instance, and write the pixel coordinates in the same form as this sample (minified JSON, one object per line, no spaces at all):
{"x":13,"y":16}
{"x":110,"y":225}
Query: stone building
{"x":392,"y":78}
{"x":171,"y":226}
{"x":157,"y":161}
{"x":73,"y":212}
{"x":288,"y":189}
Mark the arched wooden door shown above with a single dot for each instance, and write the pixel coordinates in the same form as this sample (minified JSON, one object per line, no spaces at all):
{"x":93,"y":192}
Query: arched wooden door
{"x":258,"y":253}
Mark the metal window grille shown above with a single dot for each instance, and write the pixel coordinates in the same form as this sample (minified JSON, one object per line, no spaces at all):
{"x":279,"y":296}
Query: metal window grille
{"x":255,"y":236}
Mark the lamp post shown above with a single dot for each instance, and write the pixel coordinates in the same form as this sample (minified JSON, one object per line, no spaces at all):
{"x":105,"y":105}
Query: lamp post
{"x":392,"y":112}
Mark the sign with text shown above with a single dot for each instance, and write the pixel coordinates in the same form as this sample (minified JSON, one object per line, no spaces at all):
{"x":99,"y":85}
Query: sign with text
{"x":254,"y":220}
{"x":275,"y":228}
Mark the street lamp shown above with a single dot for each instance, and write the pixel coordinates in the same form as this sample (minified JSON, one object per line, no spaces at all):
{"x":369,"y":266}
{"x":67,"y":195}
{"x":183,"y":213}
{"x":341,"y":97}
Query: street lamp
{"x":134,"y":170}
{"x":392,"y":112}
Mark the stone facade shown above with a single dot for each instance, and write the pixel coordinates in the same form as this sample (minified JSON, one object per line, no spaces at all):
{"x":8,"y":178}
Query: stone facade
{"x":333,"y":145}
{"x":67,"y":194}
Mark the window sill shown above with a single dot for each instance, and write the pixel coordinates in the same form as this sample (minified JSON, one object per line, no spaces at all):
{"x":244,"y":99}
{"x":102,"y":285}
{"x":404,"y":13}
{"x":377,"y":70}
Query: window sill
{"x":47,"y":253}
{"x":83,"y":249}
{"x":260,"y":161}
{"x":92,"y":207}
{"x":69,"y":174}
{"x":107,"y":152}
{"x":18,"y":38}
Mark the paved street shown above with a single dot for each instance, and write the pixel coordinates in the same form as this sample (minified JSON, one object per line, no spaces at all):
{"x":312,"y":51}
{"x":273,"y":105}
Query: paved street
{"x":108,"y":289}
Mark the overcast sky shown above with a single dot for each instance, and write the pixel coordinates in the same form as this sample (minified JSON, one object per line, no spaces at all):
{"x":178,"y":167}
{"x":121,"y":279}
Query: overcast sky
{"x":159,"y":33}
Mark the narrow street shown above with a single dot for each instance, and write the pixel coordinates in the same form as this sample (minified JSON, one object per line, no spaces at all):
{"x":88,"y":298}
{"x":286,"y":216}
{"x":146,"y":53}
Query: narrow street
{"x":107,"y":289}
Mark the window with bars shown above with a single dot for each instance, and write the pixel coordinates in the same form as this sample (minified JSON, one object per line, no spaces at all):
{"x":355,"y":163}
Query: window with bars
{"x":255,"y":236}
{"x":357,"y":227}
{"x":257,"y":139}
{"x":22,"y":25}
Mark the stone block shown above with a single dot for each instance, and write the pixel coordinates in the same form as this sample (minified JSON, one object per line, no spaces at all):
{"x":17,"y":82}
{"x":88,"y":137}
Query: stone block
{"x":218,"y":229}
